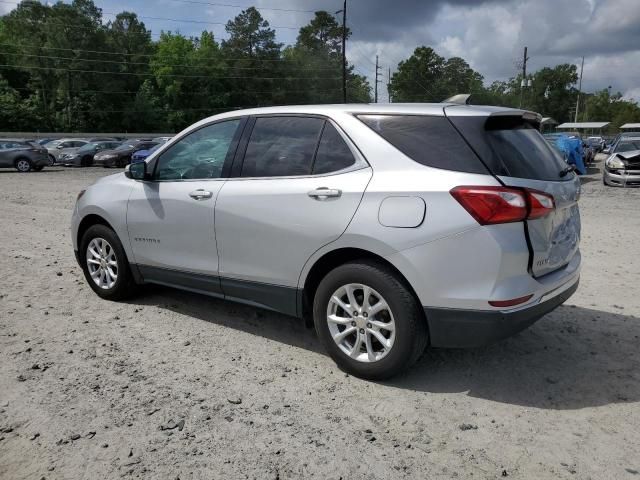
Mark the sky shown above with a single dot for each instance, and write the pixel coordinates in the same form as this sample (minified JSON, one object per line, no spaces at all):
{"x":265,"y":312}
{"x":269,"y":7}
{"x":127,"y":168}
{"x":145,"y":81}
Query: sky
{"x":489,"y":34}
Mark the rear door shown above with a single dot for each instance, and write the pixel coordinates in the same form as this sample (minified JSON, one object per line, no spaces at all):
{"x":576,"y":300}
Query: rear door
{"x":515,"y":151}
{"x":297,"y":188}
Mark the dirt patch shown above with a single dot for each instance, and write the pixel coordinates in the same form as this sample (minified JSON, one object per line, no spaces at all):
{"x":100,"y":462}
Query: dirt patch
{"x":176,"y":385}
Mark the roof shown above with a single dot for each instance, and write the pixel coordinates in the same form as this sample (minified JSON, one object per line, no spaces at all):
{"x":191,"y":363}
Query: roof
{"x":631,"y":126}
{"x":548,"y":121}
{"x":579,"y":125}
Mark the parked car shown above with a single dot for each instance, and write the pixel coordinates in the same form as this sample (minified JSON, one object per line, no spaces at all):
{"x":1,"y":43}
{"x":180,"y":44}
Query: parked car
{"x":596,"y":143}
{"x":22,"y":155}
{"x":378,"y":222}
{"x":83,"y":157}
{"x":161,"y":139}
{"x":56,"y":148}
{"x":121,"y":155}
{"x":141,"y":155}
{"x":609,"y":149}
{"x":44,"y":141}
{"x":622,"y":168}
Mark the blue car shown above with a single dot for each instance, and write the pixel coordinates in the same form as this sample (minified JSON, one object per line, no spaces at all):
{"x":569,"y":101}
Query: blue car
{"x":141,"y":155}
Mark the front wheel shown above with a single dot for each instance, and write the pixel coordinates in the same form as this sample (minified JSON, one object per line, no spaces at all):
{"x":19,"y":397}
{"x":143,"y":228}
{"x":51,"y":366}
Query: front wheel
{"x":368,"y":320}
{"x":105,"y":264}
{"x":23,"y":165}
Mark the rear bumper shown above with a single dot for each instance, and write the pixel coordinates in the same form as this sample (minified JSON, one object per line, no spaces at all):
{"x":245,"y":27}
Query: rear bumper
{"x":458,"y":328}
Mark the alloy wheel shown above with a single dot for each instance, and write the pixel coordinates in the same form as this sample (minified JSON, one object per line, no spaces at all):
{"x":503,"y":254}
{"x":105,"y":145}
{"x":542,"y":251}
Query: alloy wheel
{"x":102,"y":263}
{"x":361,"y":323}
{"x":23,"y":165}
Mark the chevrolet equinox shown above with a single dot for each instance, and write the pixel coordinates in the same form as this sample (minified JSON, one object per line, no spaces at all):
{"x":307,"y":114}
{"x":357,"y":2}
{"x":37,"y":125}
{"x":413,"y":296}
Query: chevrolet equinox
{"x":391,"y":227}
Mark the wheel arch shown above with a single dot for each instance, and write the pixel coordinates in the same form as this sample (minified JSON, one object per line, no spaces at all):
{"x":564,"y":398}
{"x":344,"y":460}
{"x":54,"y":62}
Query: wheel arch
{"x":332,"y":259}
{"x":89,"y":221}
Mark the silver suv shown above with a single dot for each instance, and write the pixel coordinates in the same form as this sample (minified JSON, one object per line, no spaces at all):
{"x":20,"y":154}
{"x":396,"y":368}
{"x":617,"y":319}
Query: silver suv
{"x":390,"y":227}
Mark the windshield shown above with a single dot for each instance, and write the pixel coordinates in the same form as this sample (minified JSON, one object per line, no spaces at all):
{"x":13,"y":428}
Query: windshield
{"x":124,"y":146}
{"x":88,"y":147}
{"x":628,"y":145}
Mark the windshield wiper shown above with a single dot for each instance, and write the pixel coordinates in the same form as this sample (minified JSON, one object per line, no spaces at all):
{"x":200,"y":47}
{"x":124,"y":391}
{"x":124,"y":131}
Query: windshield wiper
{"x":565,"y":171}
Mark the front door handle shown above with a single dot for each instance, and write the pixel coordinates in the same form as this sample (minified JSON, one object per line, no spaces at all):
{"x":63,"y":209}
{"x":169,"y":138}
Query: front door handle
{"x":323,"y":193}
{"x":200,"y":194}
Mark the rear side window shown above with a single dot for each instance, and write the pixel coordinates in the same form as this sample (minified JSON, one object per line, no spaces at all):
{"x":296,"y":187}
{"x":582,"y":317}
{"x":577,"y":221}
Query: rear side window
{"x":511,"y":146}
{"x":282,"y":146}
{"x":333,"y":152}
{"x":428,"y":140}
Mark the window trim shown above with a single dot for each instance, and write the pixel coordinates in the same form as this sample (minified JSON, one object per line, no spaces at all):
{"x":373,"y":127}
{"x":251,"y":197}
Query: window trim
{"x":226,"y":167}
{"x":236,"y":170}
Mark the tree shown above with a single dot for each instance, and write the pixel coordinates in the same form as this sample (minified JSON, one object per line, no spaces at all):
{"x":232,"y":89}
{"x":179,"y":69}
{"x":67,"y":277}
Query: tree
{"x":419,"y":78}
{"x":250,"y":35}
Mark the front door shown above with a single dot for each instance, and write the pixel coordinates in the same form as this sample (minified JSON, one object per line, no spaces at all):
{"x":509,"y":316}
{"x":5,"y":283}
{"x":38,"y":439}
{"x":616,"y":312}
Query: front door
{"x":171,"y":217}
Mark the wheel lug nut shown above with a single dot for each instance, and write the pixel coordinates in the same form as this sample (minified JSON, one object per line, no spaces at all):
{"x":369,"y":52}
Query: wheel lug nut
{"x":362,"y":330}
{"x":355,"y":314}
{"x":353,"y":324}
{"x":368,"y":325}
{"x":365,"y":314}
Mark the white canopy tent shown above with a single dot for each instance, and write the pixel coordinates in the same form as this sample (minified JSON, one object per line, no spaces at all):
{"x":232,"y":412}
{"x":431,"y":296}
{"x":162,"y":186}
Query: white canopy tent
{"x":583,"y":125}
{"x":630,"y":126}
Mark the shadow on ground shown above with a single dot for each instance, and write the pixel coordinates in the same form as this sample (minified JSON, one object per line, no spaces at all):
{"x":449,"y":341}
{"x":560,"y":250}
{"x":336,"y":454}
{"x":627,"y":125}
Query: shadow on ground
{"x":572,"y":358}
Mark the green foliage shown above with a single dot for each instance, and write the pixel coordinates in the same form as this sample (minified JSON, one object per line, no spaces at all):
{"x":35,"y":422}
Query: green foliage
{"x":70,"y":70}
{"x":65,"y":68}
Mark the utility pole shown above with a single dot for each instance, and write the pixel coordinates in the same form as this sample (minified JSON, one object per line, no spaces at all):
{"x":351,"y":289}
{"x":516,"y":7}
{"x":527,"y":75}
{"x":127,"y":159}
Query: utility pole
{"x":344,"y":52}
{"x":389,"y":85}
{"x":523,"y":82}
{"x":579,"y":89}
{"x":377,"y":81}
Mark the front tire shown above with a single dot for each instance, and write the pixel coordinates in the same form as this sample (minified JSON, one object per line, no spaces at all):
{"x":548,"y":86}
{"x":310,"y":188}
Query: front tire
{"x":105,"y":264}
{"x":23,"y":165}
{"x":368,"y":320}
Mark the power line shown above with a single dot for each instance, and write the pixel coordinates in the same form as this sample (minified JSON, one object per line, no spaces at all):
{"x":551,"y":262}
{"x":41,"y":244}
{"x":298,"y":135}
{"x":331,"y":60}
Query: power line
{"x":226,"y":77}
{"x":133,"y":92}
{"x":104,"y":52}
{"x":124,"y":62}
{"x":178,"y":20}
{"x":197,"y":2}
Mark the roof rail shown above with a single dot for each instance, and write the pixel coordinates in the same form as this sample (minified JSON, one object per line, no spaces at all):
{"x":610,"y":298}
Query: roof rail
{"x":461,"y":99}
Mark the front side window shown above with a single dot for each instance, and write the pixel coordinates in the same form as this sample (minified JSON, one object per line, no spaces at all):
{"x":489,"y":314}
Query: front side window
{"x":199,"y":155}
{"x":282,"y":146}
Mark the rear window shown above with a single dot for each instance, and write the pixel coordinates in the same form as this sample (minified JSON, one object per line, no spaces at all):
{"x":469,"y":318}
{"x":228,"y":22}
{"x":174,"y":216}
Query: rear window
{"x":511,"y":146}
{"x":428,"y":140}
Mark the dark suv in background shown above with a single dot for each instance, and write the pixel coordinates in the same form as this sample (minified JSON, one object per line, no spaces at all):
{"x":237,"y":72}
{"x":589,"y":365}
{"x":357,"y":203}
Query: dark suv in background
{"x":23,"y":155}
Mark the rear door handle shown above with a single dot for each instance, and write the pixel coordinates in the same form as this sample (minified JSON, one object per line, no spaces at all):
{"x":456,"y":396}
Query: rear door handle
{"x":200,"y":194}
{"x":324,"y":192}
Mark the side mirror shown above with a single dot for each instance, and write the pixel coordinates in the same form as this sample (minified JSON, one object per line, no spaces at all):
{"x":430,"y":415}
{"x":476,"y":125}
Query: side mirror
{"x":59,"y":147}
{"x":136,"y":171}
{"x":607,"y":150}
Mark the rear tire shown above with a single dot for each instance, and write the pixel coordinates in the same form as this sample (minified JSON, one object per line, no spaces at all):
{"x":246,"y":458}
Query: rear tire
{"x":390,"y":338}
{"x":52,"y":160}
{"x":23,"y":165}
{"x":86,"y":161}
{"x":105,"y":264}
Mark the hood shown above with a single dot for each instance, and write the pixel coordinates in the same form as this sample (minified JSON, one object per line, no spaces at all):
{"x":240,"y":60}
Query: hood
{"x":116,"y":177}
{"x":633,"y":155}
{"x":104,"y":153}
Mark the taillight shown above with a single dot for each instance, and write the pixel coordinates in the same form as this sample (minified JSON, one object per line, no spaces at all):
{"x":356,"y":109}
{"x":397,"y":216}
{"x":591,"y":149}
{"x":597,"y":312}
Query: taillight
{"x":540,"y":204}
{"x":493,"y":205}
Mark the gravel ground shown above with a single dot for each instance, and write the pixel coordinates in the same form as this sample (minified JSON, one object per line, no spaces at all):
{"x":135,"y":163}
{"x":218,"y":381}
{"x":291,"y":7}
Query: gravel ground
{"x":176,"y":385}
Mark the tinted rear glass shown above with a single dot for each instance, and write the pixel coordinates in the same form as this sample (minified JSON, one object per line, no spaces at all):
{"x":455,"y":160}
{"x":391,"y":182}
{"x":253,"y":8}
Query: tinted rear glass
{"x":512,"y":147}
{"x":429,"y":140}
{"x":333,"y":153}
